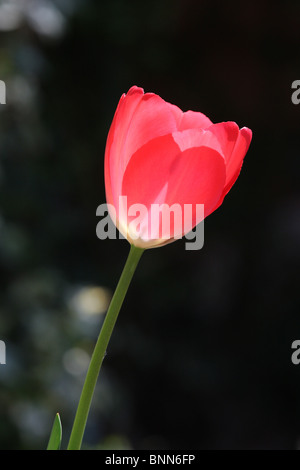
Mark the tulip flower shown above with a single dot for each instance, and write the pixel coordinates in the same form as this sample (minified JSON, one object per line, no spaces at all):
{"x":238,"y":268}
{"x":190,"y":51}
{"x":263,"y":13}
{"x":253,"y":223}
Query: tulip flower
{"x":158,"y":155}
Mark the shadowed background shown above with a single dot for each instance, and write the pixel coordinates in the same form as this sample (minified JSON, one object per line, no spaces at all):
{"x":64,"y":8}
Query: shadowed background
{"x":201,"y":354}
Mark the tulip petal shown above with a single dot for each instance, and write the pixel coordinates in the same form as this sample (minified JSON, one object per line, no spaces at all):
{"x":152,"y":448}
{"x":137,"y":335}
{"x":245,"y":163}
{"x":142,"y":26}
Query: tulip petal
{"x":152,"y":118}
{"x":197,"y":138}
{"x":237,"y":157}
{"x":227,"y":134}
{"x":115,"y":140}
{"x":189,"y":119}
{"x":235,"y":160}
{"x":159,"y":172}
{"x":194,"y":120}
{"x":139,"y":118}
{"x":234,"y":143}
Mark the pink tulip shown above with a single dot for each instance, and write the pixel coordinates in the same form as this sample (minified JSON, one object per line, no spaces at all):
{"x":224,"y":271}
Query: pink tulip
{"x":157,"y":154}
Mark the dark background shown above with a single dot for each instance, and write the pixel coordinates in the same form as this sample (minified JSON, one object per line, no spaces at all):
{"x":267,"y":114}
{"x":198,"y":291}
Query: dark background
{"x":201,"y":354}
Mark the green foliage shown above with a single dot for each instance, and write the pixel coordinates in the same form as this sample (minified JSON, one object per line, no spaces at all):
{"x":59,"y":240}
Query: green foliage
{"x":56,"y":434}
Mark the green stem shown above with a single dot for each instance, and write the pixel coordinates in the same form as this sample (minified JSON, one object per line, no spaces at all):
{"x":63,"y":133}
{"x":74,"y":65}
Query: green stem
{"x":100,"y":348}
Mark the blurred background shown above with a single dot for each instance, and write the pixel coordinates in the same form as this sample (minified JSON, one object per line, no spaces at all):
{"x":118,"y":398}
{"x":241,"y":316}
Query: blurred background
{"x":201,"y":354}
